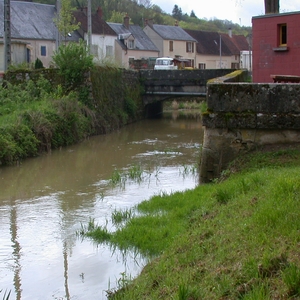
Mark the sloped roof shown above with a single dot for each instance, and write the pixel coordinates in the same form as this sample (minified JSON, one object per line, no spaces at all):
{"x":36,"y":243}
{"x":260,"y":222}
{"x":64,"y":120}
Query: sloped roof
{"x":31,"y":20}
{"x":142,"y":41}
{"x":240,"y":41}
{"x":208,"y":42}
{"x":99,"y":26}
{"x":168,"y":32}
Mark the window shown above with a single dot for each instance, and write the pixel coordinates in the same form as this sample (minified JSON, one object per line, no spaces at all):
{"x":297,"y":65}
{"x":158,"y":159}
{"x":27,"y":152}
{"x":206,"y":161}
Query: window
{"x":189,"y":47}
{"x":202,"y":66}
{"x":282,"y":35}
{"x":171,"y":46}
{"x":130,"y":44}
{"x":109,"y":51}
{"x":43,"y":51}
{"x":28,"y":55}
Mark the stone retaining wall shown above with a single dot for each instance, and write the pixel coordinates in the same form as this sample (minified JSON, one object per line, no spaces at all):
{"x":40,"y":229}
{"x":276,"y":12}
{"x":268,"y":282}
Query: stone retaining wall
{"x":243,"y":116}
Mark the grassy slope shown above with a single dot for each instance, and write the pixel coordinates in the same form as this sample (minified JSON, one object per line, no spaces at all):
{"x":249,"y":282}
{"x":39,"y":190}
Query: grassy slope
{"x":236,"y":239}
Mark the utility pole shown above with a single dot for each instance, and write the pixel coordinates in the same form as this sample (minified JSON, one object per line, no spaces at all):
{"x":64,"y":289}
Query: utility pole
{"x":89,"y":19}
{"x":220,"y":52}
{"x":57,"y":33}
{"x":7,"y":35}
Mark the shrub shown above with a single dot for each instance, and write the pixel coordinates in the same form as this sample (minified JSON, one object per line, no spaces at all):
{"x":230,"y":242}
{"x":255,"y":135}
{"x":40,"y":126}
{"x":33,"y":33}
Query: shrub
{"x":72,"y":60}
{"x":38,"y":64}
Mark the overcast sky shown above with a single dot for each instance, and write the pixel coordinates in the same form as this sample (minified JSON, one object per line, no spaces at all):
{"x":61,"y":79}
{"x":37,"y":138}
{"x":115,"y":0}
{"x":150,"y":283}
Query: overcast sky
{"x":237,"y":11}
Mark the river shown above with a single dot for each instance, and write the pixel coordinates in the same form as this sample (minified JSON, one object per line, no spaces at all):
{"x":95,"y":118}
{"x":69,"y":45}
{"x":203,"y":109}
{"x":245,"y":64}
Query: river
{"x":45,"y":200}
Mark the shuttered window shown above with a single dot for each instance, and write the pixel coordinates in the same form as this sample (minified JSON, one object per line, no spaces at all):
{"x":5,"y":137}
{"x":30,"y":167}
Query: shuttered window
{"x":190,"y":47}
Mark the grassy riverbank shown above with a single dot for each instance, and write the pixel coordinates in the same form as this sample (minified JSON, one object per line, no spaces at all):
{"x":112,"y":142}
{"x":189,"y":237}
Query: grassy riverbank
{"x":238,"y":238}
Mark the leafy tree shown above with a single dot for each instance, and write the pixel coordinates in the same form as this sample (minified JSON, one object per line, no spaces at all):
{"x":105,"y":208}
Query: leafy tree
{"x":72,"y":60}
{"x":116,"y":17}
{"x":157,"y":8}
{"x":145,"y":3}
{"x":177,"y":12}
{"x":64,"y":20}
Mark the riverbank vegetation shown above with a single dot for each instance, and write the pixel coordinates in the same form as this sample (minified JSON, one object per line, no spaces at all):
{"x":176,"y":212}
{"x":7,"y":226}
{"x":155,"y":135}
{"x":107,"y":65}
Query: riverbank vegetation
{"x":37,"y":115}
{"x":237,"y":238}
{"x":47,"y":109}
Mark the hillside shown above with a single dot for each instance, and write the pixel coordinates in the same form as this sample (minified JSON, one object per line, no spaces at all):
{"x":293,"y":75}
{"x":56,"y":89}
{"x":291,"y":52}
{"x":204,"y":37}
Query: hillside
{"x":114,"y":10}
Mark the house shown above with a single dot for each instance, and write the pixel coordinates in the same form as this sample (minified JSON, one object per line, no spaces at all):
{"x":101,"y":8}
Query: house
{"x":132,"y":43}
{"x":240,"y":47}
{"x":172,"y":41}
{"x":216,"y":50}
{"x":276,"y":45}
{"x":33,"y":33}
{"x":102,"y":36}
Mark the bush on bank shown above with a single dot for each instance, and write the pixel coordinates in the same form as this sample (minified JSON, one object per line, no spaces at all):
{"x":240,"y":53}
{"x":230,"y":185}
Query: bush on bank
{"x":36,"y":118}
{"x":234,"y":239}
{"x":46,"y":109}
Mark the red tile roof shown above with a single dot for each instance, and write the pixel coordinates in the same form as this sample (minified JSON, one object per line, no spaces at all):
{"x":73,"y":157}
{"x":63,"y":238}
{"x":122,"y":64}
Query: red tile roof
{"x":99,"y":26}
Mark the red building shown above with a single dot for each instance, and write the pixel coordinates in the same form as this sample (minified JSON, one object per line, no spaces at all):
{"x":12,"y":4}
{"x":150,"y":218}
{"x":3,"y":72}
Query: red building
{"x":276,"y":45}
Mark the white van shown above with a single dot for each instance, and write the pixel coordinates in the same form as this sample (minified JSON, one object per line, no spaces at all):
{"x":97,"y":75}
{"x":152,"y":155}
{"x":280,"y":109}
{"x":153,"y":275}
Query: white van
{"x":165,"y":63}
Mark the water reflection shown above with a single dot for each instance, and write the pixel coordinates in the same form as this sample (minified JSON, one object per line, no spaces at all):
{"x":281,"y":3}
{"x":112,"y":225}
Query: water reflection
{"x":44,"y":201}
{"x":16,"y":251}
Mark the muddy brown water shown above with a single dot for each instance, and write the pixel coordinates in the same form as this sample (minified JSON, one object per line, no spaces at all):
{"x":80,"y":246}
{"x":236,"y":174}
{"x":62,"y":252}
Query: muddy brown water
{"x":45,"y":201}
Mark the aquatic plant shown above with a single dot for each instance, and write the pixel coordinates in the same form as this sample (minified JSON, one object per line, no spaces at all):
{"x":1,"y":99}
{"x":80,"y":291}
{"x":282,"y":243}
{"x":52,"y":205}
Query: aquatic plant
{"x":119,"y":216}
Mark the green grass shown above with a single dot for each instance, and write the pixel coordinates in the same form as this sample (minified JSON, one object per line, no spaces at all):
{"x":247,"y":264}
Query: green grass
{"x":234,"y":239}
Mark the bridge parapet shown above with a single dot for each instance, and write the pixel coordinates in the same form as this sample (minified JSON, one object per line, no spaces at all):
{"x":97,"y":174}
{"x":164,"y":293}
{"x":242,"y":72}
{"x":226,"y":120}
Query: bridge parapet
{"x":162,"y":84}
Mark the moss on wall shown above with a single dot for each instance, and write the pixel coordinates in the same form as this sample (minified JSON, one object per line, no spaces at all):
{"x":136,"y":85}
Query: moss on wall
{"x":117,"y":97}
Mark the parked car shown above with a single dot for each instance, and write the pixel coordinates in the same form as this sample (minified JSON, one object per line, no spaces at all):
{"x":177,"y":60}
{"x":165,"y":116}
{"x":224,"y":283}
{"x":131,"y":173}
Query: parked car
{"x":165,"y":63}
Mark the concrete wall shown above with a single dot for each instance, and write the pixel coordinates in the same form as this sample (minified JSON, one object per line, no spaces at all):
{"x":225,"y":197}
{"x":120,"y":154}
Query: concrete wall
{"x":241,"y":117}
{"x":213,"y":61}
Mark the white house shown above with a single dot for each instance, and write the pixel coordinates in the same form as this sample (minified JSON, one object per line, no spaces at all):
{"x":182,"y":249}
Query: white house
{"x":102,"y":37}
{"x":132,"y":43}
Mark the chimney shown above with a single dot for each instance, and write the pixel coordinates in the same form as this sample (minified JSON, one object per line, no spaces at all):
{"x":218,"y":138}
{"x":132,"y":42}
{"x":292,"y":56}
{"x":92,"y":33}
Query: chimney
{"x":126,"y":21}
{"x":149,"y":22}
{"x":100,"y":12}
{"x":230,"y":32}
{"x":84,"y":10}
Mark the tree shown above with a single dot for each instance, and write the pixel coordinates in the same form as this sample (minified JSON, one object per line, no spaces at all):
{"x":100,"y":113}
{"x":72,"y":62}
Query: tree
{"x":72,"y":60}
{"x":145,"y":3}
{"x":271,"y":6}
{"x":116,"y":17}
{"x":192,"y":15}
{"x":64,"y":20}
{"x":177,"y":12}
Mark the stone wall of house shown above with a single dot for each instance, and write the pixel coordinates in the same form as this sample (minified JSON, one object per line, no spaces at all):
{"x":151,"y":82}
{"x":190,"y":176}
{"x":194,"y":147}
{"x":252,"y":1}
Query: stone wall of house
{"x":243,"y":116}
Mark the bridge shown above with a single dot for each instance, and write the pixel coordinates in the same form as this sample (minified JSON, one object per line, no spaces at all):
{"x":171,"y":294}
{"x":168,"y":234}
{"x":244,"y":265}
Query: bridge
{"x":160,"y":85}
